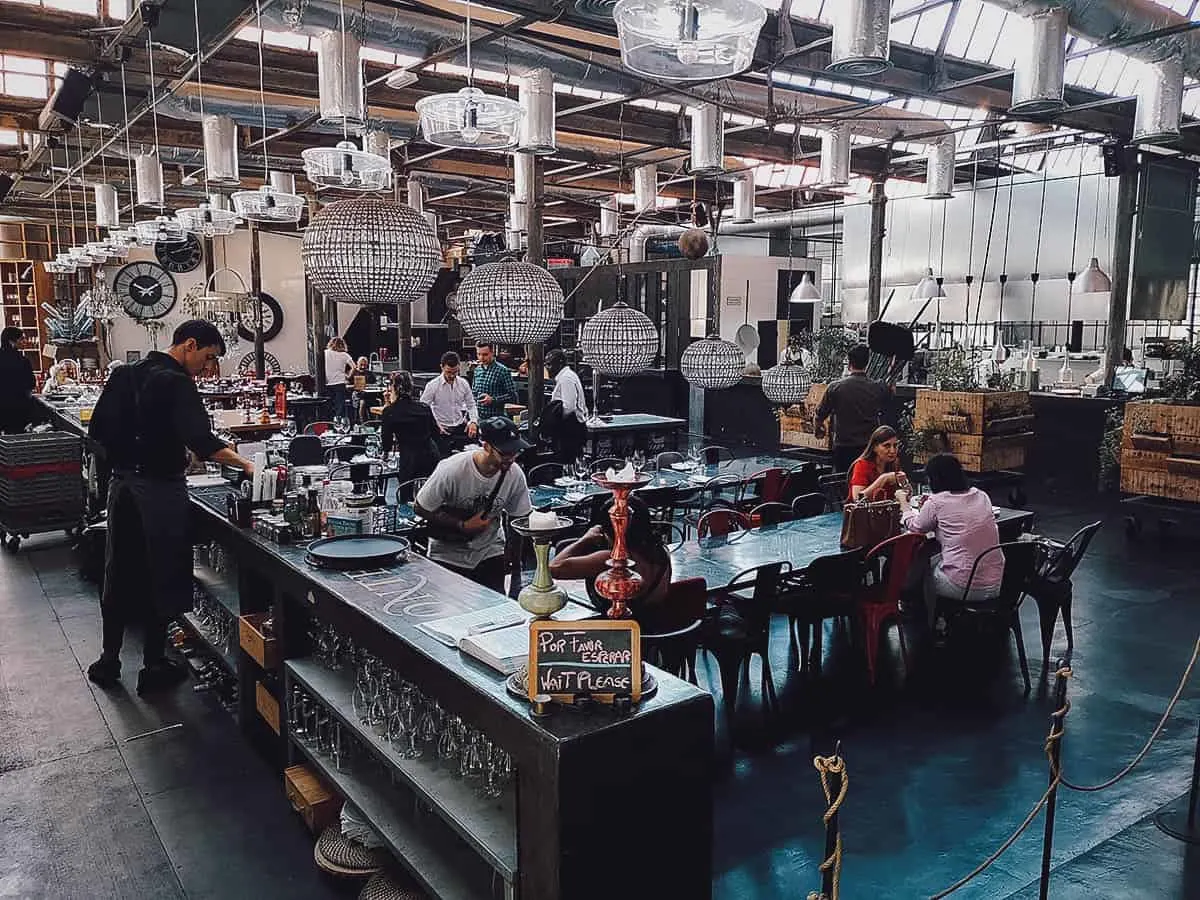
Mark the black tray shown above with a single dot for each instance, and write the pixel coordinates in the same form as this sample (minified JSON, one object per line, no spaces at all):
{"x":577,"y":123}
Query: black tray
{"x":357,"y":551}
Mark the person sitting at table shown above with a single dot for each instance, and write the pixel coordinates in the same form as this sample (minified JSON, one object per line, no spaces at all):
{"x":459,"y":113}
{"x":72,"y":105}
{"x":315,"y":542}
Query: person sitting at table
{"x":587,"y":557}
{"x":408,"y":427}
{"x":962,"y":520}
{"x":453,"y":405}
{"x":876,"y":474}
{"x":492,"y":382}
{"x":463,"y":499}
{"x":63,"y":374}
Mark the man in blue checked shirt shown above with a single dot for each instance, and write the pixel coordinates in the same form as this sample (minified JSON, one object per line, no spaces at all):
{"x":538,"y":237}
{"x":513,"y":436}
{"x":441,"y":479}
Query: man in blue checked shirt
{"x":491,"y":382}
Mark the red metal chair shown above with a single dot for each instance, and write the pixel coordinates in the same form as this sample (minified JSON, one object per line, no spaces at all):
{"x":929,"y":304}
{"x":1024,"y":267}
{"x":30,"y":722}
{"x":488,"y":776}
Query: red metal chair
{"x":722,"y":522}
{"x":887,"y":567}
{"x":318,"y":428}
{"x":770,"y":483}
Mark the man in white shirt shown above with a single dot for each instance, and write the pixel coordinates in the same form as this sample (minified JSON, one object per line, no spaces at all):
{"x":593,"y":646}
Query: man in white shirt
{"x":463,"y":500}
{"x":571,"y":432}
{"x":453,"y":404}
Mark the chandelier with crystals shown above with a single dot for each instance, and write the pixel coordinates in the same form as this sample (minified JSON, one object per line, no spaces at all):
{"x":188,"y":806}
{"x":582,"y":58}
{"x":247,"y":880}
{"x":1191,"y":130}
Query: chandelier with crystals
{"x":786,"y":383}
{"x":619,"y":341}
{"x":510,"y":303}
{"x":713,"y":363}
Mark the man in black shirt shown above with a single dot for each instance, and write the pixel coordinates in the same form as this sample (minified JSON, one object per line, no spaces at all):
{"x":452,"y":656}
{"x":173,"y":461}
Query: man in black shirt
{"x":857,"y":405}
{"x":17,"y":406}
{"x":149,"y":415}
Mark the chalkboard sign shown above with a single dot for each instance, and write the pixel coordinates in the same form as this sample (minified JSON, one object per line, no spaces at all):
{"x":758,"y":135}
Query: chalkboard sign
{"x":602,"y":658}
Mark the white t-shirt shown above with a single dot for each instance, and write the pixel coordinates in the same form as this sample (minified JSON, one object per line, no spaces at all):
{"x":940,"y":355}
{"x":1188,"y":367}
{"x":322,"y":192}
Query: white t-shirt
{"x":569,"y":389}
{"x":336,"y":362}
{"x":458,"y":484}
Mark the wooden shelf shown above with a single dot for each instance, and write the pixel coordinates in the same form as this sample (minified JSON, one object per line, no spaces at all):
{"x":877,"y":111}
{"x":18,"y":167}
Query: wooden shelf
{"x":487,"y":825}
{"x":441,"y":868}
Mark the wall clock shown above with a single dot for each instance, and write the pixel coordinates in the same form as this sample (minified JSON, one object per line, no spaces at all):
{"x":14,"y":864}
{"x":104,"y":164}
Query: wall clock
{"x":146,"y":290}
{"x":271,"y":365}
{"x":272,"y":319}
{"x":180,"y":256}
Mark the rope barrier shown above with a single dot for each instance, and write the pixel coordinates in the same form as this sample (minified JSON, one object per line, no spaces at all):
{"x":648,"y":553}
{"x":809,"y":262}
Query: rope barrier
{"x":1162,"y":723}
{"x":829,"y":767}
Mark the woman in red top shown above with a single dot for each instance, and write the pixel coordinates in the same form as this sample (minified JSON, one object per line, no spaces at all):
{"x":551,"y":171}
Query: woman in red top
{"x":876,"y":474}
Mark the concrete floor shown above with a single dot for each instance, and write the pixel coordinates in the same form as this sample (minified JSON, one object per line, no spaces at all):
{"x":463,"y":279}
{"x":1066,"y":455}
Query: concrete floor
{"x":942,"y":767}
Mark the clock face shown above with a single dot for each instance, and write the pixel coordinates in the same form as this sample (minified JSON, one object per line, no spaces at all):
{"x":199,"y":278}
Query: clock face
{"x":180,"y":256}
{"x":146,"y":290}
{"x":272,"y":317}
{"x":271,"y":365}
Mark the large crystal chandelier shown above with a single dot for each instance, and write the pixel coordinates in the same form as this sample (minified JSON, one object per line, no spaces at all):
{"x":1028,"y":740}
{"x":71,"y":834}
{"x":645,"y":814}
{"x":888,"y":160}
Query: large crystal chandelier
{"x":786,"y":384}
{"x":469,"y":118}
{"x":713,"y":363}
{"x":619,"y":341}
{"x":510,"y":303}
{"x":688,"y":40}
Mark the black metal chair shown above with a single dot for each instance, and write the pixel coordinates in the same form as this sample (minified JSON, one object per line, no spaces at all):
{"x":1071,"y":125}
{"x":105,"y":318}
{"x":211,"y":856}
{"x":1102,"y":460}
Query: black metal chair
{"x":666,"y":459}
{"x":545,"y":473}
{"x":671,"y":639}
{"x":719,"y":492}
{"x":834,"y":488}
{"x":342,"y":453}
{"x":808,"y":505}
{"x":393,"y":491}
{"x":739,"y":627}
{"x":714,"y":455}
{"x":829,"y":587}
{"x":1051,"y":586}
{"x":306,"y":450}
{"x":766,"y":514}
{"x":800,"y":480}
{"x":1020,"y":564}
{"x":606,"y":463}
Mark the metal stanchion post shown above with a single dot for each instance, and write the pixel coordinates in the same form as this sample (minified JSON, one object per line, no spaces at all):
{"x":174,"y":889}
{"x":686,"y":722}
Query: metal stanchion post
{"x":1054,"y":750}
{"x":1181,"y":823}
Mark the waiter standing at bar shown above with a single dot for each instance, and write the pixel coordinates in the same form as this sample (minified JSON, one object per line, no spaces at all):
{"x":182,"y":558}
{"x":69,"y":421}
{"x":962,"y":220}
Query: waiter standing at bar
{"x":149,"y":415}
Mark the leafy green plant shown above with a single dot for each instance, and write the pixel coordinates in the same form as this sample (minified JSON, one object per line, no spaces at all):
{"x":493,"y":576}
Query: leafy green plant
{"x":1109,"y":453}
{"x":954,"y":370}
{"x":1184,"y":384}
{"x":829,"y":347}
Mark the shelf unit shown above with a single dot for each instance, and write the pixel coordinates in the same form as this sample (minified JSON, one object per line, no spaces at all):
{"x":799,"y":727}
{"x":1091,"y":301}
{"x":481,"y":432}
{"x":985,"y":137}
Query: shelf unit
{"x":227,"y":658}
{"x":487,"y":825}
{"x":24,"y":286}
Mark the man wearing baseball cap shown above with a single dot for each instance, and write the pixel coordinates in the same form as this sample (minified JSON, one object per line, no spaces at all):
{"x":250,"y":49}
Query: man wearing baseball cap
{"x":463,"y":499}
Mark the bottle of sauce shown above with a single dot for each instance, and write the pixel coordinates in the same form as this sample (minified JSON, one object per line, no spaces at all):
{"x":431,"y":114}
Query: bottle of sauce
{"x":280,"y":400}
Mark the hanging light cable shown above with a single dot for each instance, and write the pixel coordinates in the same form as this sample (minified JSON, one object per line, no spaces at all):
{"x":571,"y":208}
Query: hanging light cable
{"x":1093,"y":279}
{"x":78,"y":252}
{"x":97,"y":250}
{"x":267,"y":204}
{"x":62,"y":264}
{"x":1065,"y":375}
{"x":928,"y":287}
{"x":162,"y":228}
{"x":999,"y":351}
{"x":1035,"y":275}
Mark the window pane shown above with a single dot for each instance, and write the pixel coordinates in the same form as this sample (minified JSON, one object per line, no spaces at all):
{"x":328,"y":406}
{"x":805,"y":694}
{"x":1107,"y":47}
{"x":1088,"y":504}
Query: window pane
{"x":87,"y":7}
{"x":964,"y":27}
{"x":9,"y":137}
{"x":380,"y":56}
{"x":286,"y":39}
{"x":118,"y":9}
{"x":33,"y":86}
{"x":27,"y":64}
{"x":930,"y":28}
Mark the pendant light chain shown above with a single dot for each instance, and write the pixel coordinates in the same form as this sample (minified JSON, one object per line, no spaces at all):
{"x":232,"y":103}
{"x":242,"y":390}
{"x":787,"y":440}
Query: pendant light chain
{"x":1012,"y":183}
{"x":54,"y":198}
{"x":1037,"y":252}
{"x":83,"y":183}
{"x":342,"y":28}
{"x":1075,"y":230}
{"x":200,"y":86}
{"x":262,"y":92}
{"x":153,"y":97}
{"x":470,"y":70}
{"x":128,"y":148}
{"x":70,"y":192}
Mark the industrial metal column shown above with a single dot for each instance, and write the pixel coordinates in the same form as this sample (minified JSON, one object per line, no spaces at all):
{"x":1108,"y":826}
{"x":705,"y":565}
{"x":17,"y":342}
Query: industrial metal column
{"x":528,"y":186}
{"x":1118,"y":303}
{"x":314,"y":309}
{"x":875,"y":273}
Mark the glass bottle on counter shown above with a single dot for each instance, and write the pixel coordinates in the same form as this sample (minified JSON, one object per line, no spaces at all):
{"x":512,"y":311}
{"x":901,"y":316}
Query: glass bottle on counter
{"x":313,"y":515}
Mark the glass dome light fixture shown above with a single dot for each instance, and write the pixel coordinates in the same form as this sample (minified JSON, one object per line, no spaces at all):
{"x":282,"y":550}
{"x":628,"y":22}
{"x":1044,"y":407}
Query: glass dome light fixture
{"x":688,"y":40}
{"x":619,"y":341}
{"x":468,"y":118}
{"x":806,"y":291}
{"x":205,"y":220}
{"x":786,"y":384}
{"x":713,"y":363}
{"x":159,"y":230}
{"x":928,"y":287}
{"x":346,"y":167}
{"x":510,"y":303}
{"x":367,"y":250}
{"x":268,"y":205}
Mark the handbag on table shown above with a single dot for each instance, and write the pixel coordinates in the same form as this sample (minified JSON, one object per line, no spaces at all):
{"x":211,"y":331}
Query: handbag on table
{"x":867,"y":524}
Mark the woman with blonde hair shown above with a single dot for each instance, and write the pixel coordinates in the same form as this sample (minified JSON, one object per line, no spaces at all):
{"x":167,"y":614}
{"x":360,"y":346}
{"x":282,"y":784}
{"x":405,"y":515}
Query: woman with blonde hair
{"x":338,"y":365}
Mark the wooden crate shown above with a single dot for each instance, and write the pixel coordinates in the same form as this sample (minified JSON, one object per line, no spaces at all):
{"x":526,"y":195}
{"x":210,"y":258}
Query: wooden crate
{"x":1160,"y":450}
{"x":267,"y":706}
{"x":796,"y":430}
{"x":317,"y":804}
{"x":987,"y":430}
{"x":262,"y":648}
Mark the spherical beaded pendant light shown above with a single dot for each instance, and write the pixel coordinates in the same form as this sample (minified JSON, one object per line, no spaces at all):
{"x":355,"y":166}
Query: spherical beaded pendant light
{"x":786,"y":383}
{"x":510,"y":303}
{"x":619,"y":341}
{"x":367,"y":250}
{"x":713,"y":363}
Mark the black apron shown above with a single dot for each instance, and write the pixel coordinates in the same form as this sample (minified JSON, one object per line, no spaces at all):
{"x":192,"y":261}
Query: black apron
{"x":148,"y":561}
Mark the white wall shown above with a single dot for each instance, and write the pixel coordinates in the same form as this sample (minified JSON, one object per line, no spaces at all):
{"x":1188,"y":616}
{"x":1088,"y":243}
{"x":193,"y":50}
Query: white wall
{"x":282,"y":278}
{"x":760,"y":273}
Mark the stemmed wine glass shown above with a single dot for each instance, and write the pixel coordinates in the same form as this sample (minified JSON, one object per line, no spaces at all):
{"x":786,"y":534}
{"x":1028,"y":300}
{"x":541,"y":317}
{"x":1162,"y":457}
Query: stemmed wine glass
{"x":639,"y":460}
{"x":582,"y":469}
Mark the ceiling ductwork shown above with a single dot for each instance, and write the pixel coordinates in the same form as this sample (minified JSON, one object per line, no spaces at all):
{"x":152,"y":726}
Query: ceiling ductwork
{"x":610,"y":218}
{"x":535,"y":93}
{"x":708,"y":139}
{"x":148,"y":176}
{"x":1120,"y":21}
{"x":220,"y":150}
{"x":1159,"y":103}
{"x":283,"y":182}
{"x":743,"y":198}
{"x":1039,"y":74}
{"x":645,"y":188}
{"x":939,"y":174}
{"x":835,"y":157}
{"x":340,"y":80}
{"x":416,"y":194}
{"x":811,"y":217}
{"x":860,"y":37}
{"x":106,"y":205}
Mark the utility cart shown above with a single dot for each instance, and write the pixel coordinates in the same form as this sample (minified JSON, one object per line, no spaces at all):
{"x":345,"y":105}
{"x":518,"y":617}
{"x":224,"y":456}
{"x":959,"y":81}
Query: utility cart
{"x":41,"y":485}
